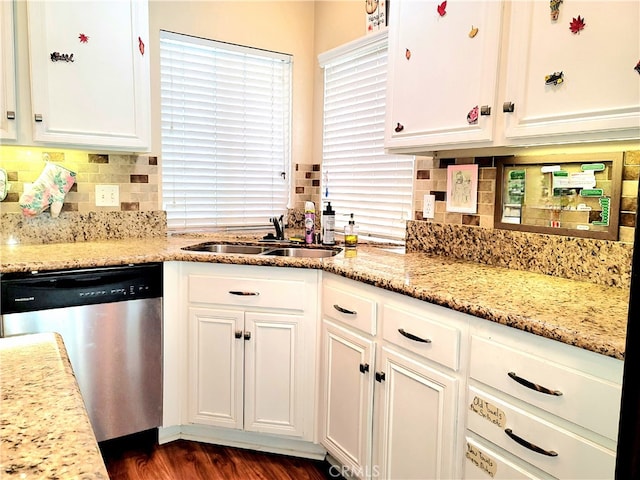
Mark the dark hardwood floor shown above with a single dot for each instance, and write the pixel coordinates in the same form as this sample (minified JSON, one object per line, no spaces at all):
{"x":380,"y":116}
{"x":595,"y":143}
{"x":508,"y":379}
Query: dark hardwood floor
{"x":139,"y":457}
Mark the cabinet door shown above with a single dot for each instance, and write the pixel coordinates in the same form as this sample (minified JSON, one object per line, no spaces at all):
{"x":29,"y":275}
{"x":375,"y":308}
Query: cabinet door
{"x":599,"y":96}
{"x":216,"y":367}
{"x":101,"y":98}
{"x":439,"y":72}
{"x":273,"y":373}
{"x":347,"y":362}
{"x":418,"y":417}
{"x":8,"y":130}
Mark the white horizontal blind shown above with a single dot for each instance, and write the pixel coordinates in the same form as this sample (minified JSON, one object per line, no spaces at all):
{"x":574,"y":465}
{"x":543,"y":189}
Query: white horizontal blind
{"x":226,"y":121}
{"x":358,"y":177}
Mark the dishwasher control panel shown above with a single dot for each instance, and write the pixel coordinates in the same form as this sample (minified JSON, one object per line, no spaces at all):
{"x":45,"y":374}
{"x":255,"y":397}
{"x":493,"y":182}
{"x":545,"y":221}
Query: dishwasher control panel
{"x":26,"y":292}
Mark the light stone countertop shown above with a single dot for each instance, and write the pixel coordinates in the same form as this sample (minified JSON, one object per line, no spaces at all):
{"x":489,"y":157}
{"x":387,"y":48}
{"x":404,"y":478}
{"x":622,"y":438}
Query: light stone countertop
{"x":586,"y":315}
{"x":36,"y":440}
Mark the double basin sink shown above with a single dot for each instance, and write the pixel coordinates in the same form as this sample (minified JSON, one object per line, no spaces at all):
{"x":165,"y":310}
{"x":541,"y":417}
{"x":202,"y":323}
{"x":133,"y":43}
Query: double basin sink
{"x":296,"y":250}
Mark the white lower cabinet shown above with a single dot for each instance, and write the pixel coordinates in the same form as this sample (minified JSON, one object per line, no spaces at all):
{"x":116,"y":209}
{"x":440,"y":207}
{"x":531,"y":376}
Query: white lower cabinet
{"x":552,"y":407}
{"x":417,"y":416}
{"x":240,"y":356}
{"x":348,"y":360}
{"x":244,"y":370}
{"x":389,"y":409}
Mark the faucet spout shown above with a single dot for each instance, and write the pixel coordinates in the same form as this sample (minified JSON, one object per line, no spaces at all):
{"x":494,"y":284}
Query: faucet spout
{"x":278,"y":224}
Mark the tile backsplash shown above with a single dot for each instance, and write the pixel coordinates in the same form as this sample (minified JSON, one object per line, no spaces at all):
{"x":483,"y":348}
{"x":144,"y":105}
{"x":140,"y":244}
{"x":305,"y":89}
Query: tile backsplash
{"x":431,"y":178}
{"x":137,"y":177}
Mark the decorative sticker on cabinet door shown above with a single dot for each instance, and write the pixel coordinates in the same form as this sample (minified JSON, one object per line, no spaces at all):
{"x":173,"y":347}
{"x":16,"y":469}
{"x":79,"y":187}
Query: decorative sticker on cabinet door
{"x":473,"y":32}
{"x":83,"y":38}
{"x":577,"y":25}
{"x":442,"y":9}
{"x":481,"y":460}
{"x":554,"y":5}
{"x":555,"y":78}
{"x":488,"y":411}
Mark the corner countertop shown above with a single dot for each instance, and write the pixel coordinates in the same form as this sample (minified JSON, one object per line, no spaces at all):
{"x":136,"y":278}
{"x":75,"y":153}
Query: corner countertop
{"x":37,"y":441}
{"x":586,"y":315}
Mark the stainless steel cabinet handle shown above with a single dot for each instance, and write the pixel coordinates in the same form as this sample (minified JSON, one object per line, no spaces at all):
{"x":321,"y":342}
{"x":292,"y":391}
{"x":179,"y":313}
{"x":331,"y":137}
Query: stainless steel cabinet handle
{"x":485,"y":110}
{"x":344,"y":310}
{"x":247,"y":335}
{"x":238,"y":334}
{"x":529,"y":445}
{"x":380,"y":377}
{"x":244,"y":294}
{"x":11,"y":115}
{"x":364,"y":367}
{"x":413,"y":337}
{"x":37,"y":117}
{"x":508,"y":107}
{"x":534,"y":386}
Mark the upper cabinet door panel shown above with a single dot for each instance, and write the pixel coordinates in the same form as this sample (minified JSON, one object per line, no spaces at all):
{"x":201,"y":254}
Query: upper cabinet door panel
{"x":599,"y":94}
{"x":8,"y":130}
{"x":101,"y":97}
{"x":441,"y":68}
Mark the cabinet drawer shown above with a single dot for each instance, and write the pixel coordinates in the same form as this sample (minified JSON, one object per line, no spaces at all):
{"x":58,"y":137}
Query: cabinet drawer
{"x":349,"y":307}
{"x":247,"y":291}
{"x":586,"y":400}
{"x":419,"y":333}
{"x":559,"y":452}
{"x":484,"y":461}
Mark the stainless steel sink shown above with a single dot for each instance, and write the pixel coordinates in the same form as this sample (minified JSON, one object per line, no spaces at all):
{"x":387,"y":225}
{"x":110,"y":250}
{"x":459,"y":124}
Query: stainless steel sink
{"x":227,"y":248}
{"x":303,"y":252}
{"x":270,"y":250}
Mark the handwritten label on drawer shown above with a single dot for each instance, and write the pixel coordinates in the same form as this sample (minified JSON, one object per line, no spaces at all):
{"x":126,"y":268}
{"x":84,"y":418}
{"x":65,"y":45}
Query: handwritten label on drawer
{"x":481,"y":460}
{"x":488,"y":411}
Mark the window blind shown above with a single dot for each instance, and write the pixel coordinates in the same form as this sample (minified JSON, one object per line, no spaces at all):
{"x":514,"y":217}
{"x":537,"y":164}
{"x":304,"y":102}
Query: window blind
{"x":226,"y":121}
{"x":358,"y":177}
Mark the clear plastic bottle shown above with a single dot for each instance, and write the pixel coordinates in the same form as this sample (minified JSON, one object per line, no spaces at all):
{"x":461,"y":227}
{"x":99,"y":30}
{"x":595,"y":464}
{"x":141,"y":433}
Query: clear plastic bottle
{"x":351,"y":233}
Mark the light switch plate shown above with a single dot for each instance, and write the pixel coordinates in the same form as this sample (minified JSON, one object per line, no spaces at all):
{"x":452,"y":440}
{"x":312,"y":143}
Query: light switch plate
{"x":429,"y":206}
{"x":107,"y":195}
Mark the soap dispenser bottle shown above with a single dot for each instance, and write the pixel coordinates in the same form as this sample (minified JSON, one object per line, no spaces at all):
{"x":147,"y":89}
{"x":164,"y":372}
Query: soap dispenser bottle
{"x":351,"y":233}
{"x":328,"y":225}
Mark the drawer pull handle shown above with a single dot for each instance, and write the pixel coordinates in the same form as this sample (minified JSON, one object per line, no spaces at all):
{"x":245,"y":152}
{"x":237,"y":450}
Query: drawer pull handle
{"x":244,"y":294}
{"x":344,"y":310}
{"x":413,"y":337}
{"x":364,"y":367}
{"x":238,"y":334}
{"x":534,"y":386}
{"x":380,"y":377}
{"x":529,"y":445}
{"x":247,"y":335}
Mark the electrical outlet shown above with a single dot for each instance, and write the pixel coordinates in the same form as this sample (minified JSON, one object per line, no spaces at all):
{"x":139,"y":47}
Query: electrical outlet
{"x":429,"y":206}
{"x":107,"y":195}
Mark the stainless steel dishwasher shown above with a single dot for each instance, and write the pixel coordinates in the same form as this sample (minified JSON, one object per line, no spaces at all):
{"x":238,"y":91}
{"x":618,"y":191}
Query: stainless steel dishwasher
{"x":110,"y":319}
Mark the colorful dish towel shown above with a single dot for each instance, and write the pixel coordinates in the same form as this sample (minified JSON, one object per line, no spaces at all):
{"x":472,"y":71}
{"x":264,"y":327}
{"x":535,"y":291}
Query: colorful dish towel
{"x":47,"y":191}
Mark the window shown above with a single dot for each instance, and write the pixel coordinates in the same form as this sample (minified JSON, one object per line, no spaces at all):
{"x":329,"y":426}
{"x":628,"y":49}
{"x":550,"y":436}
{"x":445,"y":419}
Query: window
{"x":226,"y":121}
{"x":358,"y":177}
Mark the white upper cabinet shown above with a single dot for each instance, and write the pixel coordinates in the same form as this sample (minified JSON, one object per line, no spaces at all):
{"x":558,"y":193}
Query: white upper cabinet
{"x":8,"y":129}
{"x":441,"y":69}
{"x":89,"y":65}
{"x":598,"y":97}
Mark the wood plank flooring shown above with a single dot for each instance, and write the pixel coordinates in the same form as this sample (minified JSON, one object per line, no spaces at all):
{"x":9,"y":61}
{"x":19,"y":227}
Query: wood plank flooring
{"x":141,"y":459}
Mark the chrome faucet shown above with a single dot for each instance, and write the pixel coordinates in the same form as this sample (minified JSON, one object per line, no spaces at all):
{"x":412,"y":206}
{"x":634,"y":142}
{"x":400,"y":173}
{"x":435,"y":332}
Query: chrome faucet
{"x":278,"y":224}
